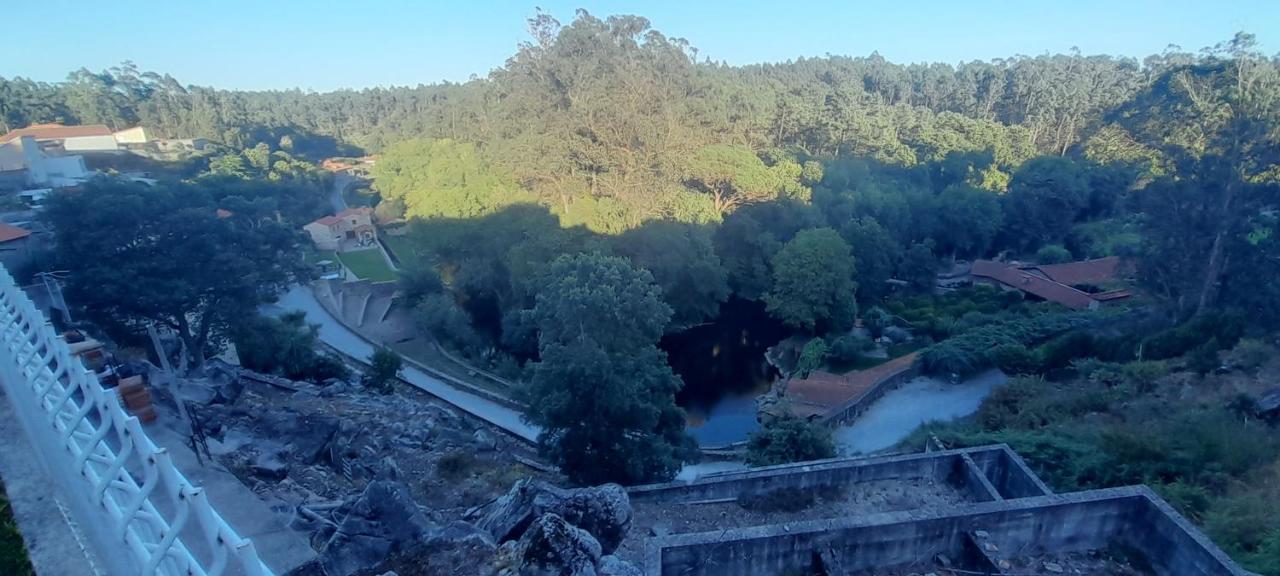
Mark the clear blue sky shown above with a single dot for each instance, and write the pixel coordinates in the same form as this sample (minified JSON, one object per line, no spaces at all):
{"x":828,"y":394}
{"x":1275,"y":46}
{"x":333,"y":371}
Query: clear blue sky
{"x":257,"y":44}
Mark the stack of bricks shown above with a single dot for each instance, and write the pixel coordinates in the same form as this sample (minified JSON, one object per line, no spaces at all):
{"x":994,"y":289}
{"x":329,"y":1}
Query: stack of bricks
{"x":137,"y":398}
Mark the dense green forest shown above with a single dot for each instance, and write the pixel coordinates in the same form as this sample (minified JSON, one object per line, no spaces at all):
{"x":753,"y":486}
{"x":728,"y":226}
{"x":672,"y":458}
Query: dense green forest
{"x":605,"y":174}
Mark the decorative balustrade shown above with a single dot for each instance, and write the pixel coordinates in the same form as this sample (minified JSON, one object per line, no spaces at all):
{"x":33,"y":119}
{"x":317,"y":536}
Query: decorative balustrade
{"x":134,"y":507}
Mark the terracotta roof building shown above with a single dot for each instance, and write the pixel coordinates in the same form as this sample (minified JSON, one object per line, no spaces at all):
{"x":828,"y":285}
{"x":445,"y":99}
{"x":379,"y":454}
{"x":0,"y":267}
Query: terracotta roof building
{"x":1057,"y":282}
{"x":91,"y":137}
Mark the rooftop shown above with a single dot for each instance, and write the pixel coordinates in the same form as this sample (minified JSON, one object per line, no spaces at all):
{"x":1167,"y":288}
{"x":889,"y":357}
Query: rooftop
{"x":57,"y":132}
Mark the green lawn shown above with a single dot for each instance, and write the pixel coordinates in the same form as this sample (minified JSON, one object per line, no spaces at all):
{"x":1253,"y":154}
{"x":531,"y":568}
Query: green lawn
{"x":401,"y":246}
{"x":13,"y":554}
{"x":368,"y":265}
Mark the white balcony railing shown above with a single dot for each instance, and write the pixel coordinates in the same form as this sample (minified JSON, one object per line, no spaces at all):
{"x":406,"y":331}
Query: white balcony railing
{"x":134,"y":507}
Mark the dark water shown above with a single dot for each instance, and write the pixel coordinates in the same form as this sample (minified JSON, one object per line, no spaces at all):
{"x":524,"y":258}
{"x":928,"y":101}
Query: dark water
{"x":724,"y":369}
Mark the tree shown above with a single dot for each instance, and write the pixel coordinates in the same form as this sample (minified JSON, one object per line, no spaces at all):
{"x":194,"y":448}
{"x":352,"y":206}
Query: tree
{"x":919,"y":267}
{"x":384,"y":368}
{"x":139,"y":254}
{"x":285,"y":346}
{"x":1045,"y":197}
{"x":789,"y":439}
{"x":684,"y":264}
{"x":968,"y":219}
{"x":602,"y":391}
{"x":443,"y":178}
{"x":1053,"y":254}
{"x":734,"y":175}
{"x":813,"y":287}
{"x":877,"y":255}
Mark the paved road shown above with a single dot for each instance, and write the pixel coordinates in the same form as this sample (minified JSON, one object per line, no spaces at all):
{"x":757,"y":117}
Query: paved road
{"x":340,"y":337}
{"x":340,"y":182}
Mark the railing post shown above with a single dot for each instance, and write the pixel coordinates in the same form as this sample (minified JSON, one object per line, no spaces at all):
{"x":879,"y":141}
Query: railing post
{"x":132,"y":504}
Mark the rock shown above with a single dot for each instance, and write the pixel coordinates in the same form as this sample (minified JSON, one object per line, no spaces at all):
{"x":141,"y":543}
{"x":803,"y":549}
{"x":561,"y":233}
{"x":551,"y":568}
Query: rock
{"x":268,"y":465}
{"x":388,"y":469}
{"x":306,"y":434}
{"x":614,"y":566}
{"x":553,"y":547}
{"x":335,"y":389}
{"x":485,"y":441}
{"x":384,"y":519}
{"x":604,"y":511}
{"x":1053,"y":567}
{"x":659,"y":530}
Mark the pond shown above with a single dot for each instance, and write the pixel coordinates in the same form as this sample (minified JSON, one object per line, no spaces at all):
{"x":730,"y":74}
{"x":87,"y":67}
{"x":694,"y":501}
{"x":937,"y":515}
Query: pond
{"x":895,"y":416}
{"x":723,"y":367}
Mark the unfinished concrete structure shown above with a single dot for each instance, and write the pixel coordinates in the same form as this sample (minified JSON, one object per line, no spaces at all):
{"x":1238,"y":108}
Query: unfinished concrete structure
{"x":1006,"y":521}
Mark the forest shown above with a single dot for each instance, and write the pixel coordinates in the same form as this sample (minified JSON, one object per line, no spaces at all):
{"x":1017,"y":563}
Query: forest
{"x":605,"y":188}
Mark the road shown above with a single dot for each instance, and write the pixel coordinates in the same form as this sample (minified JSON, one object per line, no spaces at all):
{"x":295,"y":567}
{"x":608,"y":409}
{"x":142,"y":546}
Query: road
{"x":337,"y":335}
{"x":340,"y":182}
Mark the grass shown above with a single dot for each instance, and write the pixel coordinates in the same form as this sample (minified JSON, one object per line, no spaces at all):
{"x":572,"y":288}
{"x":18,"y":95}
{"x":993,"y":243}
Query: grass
{"x":368,"y":265}
{"x":400,"y":245}
{"x":13,"y":553}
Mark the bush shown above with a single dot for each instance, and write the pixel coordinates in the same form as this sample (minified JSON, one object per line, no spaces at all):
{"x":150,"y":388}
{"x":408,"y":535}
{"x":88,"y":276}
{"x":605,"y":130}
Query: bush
{"x":1203,"y":359}
{"x":1014,"y":359}
{"x":812,"y":357}
{"x":441,"y":317}
{"x":1053,"y":254}
{"x":1180,"y":339}
{"x":455,"y":466}
{"x":285,"y":346}
{"x":875,"y":320}
{"x":788,"y":439}
{"x":384,"y":368}
{"x":849,"y":348}
{"x":1143,"y":375}
{"x":1249,"y":354}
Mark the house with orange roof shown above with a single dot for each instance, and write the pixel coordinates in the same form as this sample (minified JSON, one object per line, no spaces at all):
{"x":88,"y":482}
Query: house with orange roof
{"x":1079,"y":285}
{"x":347,"y":230}
{"x":87,"y":138}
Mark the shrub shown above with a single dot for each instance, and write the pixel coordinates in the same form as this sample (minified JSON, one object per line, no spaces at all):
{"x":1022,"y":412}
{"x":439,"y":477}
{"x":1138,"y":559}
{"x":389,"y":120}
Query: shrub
{"x":1203,"y":359}
{"x":1014,"y":359}
{"x":455,"y":465}
{"x":1249,"y":354}
{"x":384,"y":367}
{"x":875,"y":320}
{"x":441,"y":317}
{"x":1180,"y":339}
{"x":812,"y":357}
{"x":849,"y":348}
{"x":788,"y":439}
{"x":1143,"y":375}
{"x":1053,"y":254}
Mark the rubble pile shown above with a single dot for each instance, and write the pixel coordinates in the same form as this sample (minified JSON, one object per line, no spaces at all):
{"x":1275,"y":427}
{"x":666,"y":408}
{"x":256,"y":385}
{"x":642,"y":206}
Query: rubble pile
{"x":400,"y":483}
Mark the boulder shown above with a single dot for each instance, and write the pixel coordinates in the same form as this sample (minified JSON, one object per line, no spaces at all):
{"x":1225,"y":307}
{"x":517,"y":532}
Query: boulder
{"x":604,"y":511}
{"x":384,"y":519}
{"x":269,"y":466}
{"x":307,"y":435}
{"x":335,"y":389}
{"x":485,"y":441}
{"x":553,"y":547}
{"x":614,"y":566}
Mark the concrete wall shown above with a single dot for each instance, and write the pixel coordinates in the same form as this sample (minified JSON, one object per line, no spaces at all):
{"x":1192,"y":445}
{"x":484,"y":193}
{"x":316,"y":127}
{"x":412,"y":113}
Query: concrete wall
{"x":90,"y":143}
{"x":948,"y":466}
{"x":1041,"y":525}
{"x":851,"y":410}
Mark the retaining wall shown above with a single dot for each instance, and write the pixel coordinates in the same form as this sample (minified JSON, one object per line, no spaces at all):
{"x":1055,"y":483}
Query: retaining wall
{"x":1051,"y":524}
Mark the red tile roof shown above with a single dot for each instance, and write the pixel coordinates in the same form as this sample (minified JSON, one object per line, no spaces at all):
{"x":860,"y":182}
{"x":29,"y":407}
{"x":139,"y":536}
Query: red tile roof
{"x":328,"y":221}
{"x":9,"y":233}
{"x":823,"y":392}
{"x":355,"y":211}
{"x":56,"y":132}
{"x":1034,"y":284}
{"x":1090,"y":272}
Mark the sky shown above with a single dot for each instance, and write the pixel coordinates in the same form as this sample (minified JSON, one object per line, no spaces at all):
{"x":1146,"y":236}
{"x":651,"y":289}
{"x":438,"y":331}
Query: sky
{"x":279,"y":44}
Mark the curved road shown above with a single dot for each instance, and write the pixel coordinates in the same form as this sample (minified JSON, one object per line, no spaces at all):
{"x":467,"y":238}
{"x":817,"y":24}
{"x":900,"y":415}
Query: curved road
{"x":340,"y":337}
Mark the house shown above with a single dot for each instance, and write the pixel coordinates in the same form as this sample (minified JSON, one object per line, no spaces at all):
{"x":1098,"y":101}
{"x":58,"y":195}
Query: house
{"x":15,"y":246}
{"x":25,"y":164}
{"x":88,"y":138}
{"x":350,"y":228}
{"x":135,"y":135}
{"x":1079,"y":285}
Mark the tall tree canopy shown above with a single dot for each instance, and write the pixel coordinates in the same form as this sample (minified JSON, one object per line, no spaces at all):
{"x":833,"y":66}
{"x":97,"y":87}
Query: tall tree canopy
{"x":602,"y":390}
{"x":138,"y":254}
{"x":813,"y":286}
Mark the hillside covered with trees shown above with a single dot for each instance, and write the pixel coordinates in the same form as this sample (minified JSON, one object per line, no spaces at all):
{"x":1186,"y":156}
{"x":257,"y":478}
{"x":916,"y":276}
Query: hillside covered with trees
{"x":606,"y":188}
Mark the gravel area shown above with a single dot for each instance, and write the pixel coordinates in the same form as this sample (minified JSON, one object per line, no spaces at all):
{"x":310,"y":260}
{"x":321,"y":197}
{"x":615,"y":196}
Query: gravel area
{"x":830,"y":502}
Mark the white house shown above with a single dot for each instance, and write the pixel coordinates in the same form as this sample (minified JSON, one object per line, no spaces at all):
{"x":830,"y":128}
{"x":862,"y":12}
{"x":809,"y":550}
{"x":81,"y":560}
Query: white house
{"x":25,"y":164}
{"x":348,"y":229}
{"x":88,"y":138}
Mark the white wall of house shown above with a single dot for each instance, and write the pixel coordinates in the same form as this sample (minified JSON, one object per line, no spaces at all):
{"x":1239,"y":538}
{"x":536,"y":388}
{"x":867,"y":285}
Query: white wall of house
{"x":90,"y":143}
{"x":135,"y":135}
